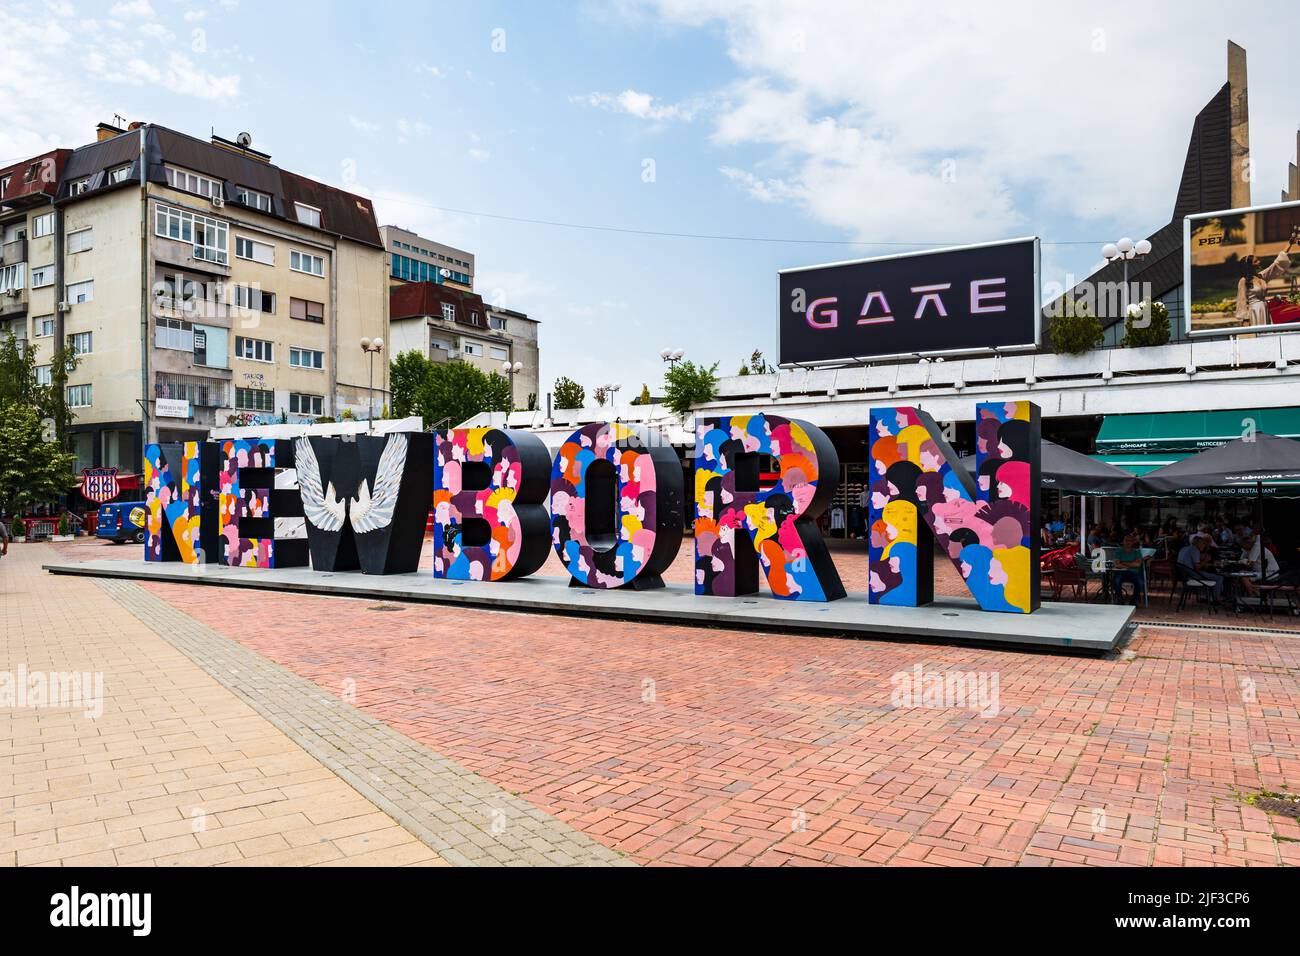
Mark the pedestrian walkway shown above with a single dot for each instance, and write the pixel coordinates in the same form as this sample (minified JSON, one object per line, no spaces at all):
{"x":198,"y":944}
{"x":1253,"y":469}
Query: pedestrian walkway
{"x":201,"y":752}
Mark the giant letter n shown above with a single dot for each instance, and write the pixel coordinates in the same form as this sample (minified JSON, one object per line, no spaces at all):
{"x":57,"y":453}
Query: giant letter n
{"x":760,"y":483}
{"x":922,"y":494}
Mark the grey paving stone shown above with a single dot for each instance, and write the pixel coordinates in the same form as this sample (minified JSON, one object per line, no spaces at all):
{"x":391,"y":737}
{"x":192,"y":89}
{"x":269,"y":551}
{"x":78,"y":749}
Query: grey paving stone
{"x":443,"y":804}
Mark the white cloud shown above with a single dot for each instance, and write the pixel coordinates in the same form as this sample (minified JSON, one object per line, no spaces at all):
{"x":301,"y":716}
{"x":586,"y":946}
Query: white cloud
{"x":184,"y":77}
{"x":945,"y":122}
{"x":479,"y":154}
{"x":195,"y":16}
{"x":138,"y":9}
{"x":437,"y":72}
{"x":638,"y":104}
{"x":365,"y":126}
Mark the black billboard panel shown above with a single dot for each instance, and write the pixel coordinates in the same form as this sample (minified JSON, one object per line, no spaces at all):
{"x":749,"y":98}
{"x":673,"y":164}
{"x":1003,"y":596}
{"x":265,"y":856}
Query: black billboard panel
{"x":964,"y":298}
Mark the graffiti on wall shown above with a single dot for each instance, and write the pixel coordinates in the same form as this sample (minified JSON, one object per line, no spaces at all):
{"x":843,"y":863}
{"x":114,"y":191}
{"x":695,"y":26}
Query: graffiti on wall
{"x":173,"y":502}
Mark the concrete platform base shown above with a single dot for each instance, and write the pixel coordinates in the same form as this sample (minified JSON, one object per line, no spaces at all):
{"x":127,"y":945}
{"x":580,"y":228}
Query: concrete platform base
{"x":1057,"y":626}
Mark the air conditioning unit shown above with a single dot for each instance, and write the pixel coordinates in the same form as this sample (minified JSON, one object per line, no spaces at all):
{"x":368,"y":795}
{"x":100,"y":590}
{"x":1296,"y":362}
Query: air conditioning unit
{"x":218,"y":202}
{"x":64,"y":306}
{"x":453,"y":354}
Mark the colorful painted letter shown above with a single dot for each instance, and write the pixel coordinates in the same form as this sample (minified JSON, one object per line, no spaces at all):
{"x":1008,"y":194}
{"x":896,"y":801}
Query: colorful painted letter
{"x":250,"y":502}
{"x":616,"y":506}
{"x":489,"y":493}
{"x":175,"y":509}
{"x":740,"y":522}
{"x":921,"y":493}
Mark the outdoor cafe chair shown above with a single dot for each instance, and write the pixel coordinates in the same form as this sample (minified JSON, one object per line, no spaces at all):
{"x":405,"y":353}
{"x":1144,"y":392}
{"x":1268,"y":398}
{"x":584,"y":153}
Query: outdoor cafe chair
{"x":1192,"y":583}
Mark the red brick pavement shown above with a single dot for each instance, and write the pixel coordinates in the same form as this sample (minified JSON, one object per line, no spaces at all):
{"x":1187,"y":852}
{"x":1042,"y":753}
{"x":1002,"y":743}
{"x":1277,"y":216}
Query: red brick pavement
{"x":691,"y":746}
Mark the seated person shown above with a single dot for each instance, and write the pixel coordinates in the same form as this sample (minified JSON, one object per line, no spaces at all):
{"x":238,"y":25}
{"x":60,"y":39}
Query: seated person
{"x":1194,"y":563}
{"x":1128,"y":567}
{"x":1255,"y":552}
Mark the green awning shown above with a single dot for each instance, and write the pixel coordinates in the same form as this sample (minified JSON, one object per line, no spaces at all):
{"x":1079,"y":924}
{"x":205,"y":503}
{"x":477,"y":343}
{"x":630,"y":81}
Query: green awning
{"x":1190,"y":431}
{"x":1141,"y":464}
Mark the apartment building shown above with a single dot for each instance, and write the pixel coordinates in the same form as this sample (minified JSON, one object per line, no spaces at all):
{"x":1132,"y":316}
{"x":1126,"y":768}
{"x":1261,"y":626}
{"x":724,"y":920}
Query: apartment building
{"x":201,"y":286}
{"x":413,"y":258}
{"x":448,"y":324}
{"x":28,"y":281}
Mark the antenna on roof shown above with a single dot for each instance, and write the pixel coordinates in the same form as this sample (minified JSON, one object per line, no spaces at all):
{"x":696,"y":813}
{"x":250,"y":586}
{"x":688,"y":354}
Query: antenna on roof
{"x":119,"y":120}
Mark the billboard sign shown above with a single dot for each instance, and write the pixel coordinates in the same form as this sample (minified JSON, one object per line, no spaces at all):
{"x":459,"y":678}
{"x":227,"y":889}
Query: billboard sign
{"x":961,"y":299}
{"x":1241,"y":269}
{"x":172,"y":408}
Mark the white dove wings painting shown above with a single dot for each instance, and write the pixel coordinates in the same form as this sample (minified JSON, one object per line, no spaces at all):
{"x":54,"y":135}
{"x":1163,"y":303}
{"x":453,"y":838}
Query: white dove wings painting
{"x":325,"y":501}
{"x":391,"y":507}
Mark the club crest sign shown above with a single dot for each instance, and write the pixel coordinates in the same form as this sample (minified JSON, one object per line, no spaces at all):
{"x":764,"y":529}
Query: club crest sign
{"x":616,"y":507}
{"x":100,"y":485}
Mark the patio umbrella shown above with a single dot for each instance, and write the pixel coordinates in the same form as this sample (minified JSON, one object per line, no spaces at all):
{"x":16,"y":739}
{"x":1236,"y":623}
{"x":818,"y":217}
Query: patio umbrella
{"x":1242,"y":466}
{"x":1072,"y":473}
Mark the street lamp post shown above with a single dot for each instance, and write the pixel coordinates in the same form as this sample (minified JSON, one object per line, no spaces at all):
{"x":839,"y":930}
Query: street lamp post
{"x":1125,"y":249}
{"x":510,"y":370}
{"x":371,"y":347}
{"x":671,"y":356}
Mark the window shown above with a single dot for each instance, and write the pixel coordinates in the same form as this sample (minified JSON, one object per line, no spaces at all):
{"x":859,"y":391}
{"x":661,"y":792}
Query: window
{"x":210,"y":237}
{"x":43,"y":326}
{"x":306,"y":404}
{"x":4,"y":185}
{"x":442,"y":344}
{"x":81,"y":291}
{"x":44,"y":374}
{"x":306,"y":310}
{"x":303,"y":262}
{"x":251,"y":197}
{"x":79,"y":186}
{"x":262,"y":252}
{"x":79,"y":241}
{"x":257,"y":350}
{"x":42,"y":276}
{"x":306,"y":358}
{"x":43,"y":225}
{"x":307,"y":215}
{"x":258,"y":300}
{"x":474,"y":319}
{"x":119,"y":174}
{"x":174,"y":334}
{"x":497,"y":322}
{"x":194,"y":183}
{"x":449,"y":312}
{"x":12,"y":277}
{"x":81,"y":343}
{"x":79,"y":396}
{"x":498,"y":352}
{"x":255,"y":399}
{"x":472,"y":348}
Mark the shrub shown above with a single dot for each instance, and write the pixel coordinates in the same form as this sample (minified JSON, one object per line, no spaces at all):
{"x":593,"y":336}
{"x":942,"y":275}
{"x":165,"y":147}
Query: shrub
{"x":65,"y":524}
{"x":1075,"y":330}
{"x":568,"y":393}
{"x":1146,"y":324}
{"x":687,"y":385}
{"x":18,"y":528}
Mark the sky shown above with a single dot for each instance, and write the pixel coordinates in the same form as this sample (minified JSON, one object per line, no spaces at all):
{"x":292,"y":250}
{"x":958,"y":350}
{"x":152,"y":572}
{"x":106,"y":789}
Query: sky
{"x":634,"y":173}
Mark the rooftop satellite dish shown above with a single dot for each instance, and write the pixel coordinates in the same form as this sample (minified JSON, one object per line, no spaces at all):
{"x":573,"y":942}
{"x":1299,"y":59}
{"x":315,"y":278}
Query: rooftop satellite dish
{"x":244,"y":139}
{"x":445,"y":273}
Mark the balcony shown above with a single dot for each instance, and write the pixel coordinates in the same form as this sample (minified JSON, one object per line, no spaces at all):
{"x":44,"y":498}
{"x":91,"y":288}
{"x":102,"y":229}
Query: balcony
{"x":15,"y":251}
{"x":13,"y":301}
{"x":199,"y":391}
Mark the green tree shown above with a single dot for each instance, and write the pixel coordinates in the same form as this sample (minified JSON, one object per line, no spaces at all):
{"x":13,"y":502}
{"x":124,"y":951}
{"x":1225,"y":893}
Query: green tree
{"x":568,"y":393}
{"x":644,"y":398}
{"x":1073,"y":330}
{"x":445,"y":393}
{"x":687,"y":385}
{"x":1148,"y":326}
{"x":18,"y":383}
{"x":34,"y":468}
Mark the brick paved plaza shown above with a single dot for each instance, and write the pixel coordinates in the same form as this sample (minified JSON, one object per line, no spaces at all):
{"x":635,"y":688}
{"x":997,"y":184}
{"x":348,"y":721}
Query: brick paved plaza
{"x":254,"y":728}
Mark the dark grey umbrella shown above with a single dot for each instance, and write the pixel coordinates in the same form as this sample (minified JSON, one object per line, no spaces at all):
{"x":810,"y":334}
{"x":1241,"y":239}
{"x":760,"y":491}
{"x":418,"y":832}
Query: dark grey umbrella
{"x":1072,"y":473}
{"x":1244,"y":466}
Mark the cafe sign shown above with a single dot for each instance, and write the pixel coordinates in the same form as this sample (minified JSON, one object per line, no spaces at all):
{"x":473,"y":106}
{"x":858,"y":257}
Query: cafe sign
{"x":100,"y":484}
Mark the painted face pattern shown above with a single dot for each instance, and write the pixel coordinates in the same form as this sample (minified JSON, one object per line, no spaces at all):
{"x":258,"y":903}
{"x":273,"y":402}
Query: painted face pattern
{"x":172,"y":506}
{"x":774,"y":523}
{"x":238,"y":502}
{"x":598,"y":556}
{"x":988,"y":535}
{"x":459,"y":454}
